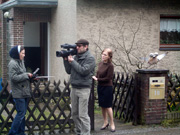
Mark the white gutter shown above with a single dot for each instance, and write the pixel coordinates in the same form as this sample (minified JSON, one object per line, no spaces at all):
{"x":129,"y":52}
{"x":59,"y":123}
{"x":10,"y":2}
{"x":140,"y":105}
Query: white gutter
{"x":28,"y":3}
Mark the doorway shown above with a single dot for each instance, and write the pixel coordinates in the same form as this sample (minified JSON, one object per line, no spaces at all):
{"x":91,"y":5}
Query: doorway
{"x":35,"y":43}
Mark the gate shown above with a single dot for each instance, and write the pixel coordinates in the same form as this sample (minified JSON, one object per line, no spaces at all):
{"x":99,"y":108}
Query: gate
{"x":124,"y":97}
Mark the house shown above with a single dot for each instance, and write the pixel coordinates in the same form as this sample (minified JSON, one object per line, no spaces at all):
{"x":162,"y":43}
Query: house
{"x":132,"y":28}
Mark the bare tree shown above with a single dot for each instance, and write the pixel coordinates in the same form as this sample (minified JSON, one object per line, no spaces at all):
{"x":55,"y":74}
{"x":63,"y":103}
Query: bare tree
{"x":126,"y":46}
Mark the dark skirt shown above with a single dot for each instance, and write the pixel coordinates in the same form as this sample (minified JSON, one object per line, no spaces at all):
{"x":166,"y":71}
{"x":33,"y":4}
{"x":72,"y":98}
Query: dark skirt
{"x":105,"y":96}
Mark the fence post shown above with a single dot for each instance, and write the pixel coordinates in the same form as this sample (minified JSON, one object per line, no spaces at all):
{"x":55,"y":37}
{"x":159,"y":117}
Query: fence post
{"x":91,"y":106}
{"x":151,"y":87}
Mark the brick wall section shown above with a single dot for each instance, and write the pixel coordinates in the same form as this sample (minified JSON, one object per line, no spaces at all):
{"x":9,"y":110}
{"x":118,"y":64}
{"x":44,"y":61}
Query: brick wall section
{"x":150,"y":111}
{"x":21,"y":16}
{"x":37,"y":14}
{"x":18,"y":27}
{"x":4,"y":50}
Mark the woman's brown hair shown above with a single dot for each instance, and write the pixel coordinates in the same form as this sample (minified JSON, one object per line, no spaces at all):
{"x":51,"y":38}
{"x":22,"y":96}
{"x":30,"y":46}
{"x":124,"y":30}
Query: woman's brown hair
{"x":110,"y":54}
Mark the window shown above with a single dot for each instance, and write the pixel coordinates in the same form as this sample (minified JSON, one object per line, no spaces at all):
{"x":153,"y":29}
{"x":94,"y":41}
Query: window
{"x":169,"y":32}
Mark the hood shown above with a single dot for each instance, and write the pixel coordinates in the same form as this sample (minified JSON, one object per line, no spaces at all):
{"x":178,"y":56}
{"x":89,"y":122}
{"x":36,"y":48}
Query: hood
{"x":14,"y":53}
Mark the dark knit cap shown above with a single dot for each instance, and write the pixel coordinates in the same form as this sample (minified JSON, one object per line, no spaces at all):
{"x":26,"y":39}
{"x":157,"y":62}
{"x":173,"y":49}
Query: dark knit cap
{"x":14,"y":52}
{"x":82,"y":41}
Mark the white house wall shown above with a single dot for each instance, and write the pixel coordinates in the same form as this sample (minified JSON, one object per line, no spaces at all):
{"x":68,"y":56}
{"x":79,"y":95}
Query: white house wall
{"x":62,"y":30}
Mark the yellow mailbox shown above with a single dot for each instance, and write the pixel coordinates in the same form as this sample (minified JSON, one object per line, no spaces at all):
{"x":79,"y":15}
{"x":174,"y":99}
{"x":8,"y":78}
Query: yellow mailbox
{"x":156,"y":87}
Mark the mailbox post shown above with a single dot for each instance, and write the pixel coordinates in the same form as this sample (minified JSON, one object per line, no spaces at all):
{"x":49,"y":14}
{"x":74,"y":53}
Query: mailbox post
{"x":151,"y":89}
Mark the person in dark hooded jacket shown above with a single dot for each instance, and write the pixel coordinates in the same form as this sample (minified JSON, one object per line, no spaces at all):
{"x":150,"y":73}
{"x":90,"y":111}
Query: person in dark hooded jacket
{"x":20,"y":86}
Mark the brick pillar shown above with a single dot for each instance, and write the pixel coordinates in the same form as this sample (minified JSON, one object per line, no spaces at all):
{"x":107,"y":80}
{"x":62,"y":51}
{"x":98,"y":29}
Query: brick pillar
{"x":151,"y":103}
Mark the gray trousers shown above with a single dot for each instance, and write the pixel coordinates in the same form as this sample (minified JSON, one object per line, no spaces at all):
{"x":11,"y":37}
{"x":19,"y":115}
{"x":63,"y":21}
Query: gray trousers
{"x":79,"y":111}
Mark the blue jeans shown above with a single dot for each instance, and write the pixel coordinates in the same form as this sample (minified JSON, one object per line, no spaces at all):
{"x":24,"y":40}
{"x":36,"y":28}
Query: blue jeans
{"x":18,"y":124}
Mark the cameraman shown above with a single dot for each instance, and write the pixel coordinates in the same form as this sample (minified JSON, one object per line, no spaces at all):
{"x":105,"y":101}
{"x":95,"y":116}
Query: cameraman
{"x":81,"y":67}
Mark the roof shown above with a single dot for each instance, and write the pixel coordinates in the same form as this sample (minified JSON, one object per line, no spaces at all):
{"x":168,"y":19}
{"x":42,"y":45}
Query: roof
{"x":28,"y":3}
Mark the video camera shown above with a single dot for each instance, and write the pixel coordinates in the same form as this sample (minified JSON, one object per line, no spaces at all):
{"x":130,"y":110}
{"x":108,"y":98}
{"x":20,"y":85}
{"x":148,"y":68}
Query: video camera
{"x":71,"y":50}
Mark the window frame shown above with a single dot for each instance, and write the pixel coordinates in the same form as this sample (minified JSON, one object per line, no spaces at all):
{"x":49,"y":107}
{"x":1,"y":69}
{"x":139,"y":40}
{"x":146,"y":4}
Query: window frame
{"x":168,"y":47}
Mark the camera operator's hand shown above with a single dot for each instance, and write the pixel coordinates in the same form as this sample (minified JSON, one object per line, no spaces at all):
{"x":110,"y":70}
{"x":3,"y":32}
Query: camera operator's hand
{"x":70,"y":58}
{"x":30,"y":75}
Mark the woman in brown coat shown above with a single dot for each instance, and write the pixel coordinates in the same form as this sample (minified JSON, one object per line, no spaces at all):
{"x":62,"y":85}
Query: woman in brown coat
{"x":104,"y":77}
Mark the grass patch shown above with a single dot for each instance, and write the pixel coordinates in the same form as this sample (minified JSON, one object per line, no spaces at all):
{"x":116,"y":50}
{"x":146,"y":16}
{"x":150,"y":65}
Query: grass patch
{"x":170,"y":123}
{"x":97,"y":109}
{"x":4,"y":118}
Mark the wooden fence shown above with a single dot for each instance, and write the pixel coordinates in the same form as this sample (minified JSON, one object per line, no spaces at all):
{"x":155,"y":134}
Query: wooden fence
{"x":173,"y":97}
{"x":124,"y":97}
{"x":124,"y":103}
{"x":49,"y":109}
